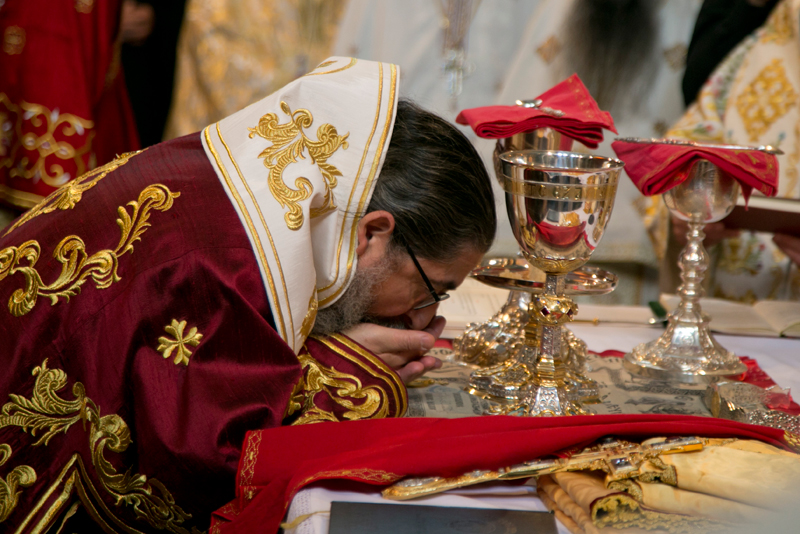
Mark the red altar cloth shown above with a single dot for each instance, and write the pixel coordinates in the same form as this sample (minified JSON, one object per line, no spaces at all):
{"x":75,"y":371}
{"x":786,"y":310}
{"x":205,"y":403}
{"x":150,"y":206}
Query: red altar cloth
{"x":64,"y":108}
{"x":583,"y":120}
{"x":658,"y":167}
{"x":277,"y":463}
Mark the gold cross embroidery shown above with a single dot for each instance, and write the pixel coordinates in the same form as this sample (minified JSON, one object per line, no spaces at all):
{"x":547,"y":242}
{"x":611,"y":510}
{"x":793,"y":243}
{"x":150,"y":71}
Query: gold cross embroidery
{"x":167,"y":345}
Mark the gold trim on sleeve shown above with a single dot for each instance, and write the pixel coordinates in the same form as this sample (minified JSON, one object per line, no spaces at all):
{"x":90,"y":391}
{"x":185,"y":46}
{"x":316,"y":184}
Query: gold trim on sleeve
{"x":341,"y":388}
{"x":287,"y":148}
{"x":47,"y":411}
{"x":178,"y":341}
{"x":77,"y":267}
{"x":67,"y":196}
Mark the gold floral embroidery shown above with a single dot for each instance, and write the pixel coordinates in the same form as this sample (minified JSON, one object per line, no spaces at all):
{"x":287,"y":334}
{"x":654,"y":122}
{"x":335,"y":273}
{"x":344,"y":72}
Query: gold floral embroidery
{"x":67,"y":196}
{"x":341,"y":388}
{"x":766,"y":99}
{"x":45,"y":410}
{"x":249,"y":458}
{"x":65,"y":124}
{"x":77,"y":268}
{"x":179,"y":341}
{"x":549,"y":49}
{"x":20,"y":476}
{"x":13,"y":40}
{"x":311,"y":315}
{"x":364,"y":474}
{"x":286,"y":149}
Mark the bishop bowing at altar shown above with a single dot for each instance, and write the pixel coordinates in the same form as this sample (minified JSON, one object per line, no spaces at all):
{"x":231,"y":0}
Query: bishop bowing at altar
{"x":157,"y":308}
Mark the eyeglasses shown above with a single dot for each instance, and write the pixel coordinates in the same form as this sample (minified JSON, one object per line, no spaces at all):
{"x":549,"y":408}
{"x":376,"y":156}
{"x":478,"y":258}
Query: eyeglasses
{"x":435,"y":297}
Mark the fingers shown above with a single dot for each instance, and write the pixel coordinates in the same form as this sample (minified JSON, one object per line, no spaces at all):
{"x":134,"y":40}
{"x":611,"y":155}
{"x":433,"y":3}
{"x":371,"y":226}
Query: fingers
{"x":790,"y":245}
{"x":417,"y":368}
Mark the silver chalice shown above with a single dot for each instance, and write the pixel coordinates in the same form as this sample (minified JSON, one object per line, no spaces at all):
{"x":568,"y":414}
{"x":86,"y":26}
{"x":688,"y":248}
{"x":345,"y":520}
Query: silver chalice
{"x":559,"y":204}
{"x":687,"y":352}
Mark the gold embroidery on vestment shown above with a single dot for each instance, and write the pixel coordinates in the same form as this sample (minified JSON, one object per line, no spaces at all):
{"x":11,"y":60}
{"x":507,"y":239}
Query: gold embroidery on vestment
{"x":45,"y":144}
{"x":249,"y":458}
{"x":13,"y":40}
{"x":549,"y":49}
{"x":287,"y":148}
{"x":77,"y":267}
{"x":352,"y":62}
{"x":779,"y":27}
{"x":311,"y":316}
{"x":20,"y":476}
{"x":47,"y":411}
{"x":178,"y":342}
{"x":341,"y":388}
{"x":766,"y":99}
{"x":67,"y":196}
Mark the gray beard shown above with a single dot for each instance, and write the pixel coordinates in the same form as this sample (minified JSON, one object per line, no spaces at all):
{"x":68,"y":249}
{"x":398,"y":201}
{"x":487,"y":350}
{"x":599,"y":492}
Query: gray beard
{"x":353,"y":307}
{"x":611,"y":45}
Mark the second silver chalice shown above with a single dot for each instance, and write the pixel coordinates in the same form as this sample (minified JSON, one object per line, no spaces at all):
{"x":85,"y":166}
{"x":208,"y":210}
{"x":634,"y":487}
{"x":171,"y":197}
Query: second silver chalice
{"x":559,"y":204}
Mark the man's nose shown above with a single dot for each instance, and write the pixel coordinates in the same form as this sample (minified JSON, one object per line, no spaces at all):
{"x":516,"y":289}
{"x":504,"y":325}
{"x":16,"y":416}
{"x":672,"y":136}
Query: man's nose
{"x":419,"y":319}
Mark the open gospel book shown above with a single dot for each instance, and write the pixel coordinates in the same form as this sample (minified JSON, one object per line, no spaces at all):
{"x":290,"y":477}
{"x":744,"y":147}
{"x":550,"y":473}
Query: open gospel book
{"x":768,"y":318}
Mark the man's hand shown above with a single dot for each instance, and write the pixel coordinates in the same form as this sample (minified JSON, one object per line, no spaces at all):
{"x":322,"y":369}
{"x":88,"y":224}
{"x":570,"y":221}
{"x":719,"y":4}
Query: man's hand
{"x":402,"y":350}
{"x":715,"y":232}
{"x":790,"y":245}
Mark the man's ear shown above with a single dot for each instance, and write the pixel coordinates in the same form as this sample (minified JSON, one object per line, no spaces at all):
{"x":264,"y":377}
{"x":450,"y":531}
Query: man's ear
{"x":374,"y":233}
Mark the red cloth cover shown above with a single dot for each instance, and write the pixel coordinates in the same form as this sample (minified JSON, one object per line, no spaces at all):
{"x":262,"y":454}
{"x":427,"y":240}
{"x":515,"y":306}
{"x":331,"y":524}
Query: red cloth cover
{"x":582,"y":120}
{"x":184,"y":421}
{"x":64,"y":108}
{"x":277,"y":463}
{"x":658,"y":167}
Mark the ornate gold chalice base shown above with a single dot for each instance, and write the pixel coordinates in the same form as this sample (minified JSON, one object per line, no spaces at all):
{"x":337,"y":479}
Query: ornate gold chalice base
{"x":687,"y":352}
{"x":559,"y":204}
{"x":506,"y":380}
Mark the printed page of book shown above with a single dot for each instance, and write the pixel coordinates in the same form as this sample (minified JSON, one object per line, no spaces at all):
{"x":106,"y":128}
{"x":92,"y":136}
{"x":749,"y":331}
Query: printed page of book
{"x":728,"y":317}
{"x":784,"y":316}
{"x":472,"y":302}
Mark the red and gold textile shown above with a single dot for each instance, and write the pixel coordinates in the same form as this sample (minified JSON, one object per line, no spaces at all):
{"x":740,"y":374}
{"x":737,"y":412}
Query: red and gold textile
{"x":281,"y":461}
{"x":582,"y":119}
{"x":63,"y":104}
{"x":137,"y":338}
{"x":658,"y":167}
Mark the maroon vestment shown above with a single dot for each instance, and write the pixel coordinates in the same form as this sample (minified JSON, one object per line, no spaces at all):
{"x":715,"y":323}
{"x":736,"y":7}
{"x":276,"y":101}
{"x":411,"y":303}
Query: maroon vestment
{"x":138,"y":348}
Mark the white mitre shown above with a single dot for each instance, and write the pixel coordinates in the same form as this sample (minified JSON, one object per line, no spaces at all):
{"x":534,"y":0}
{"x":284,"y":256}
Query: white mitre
{"x":300,"y":167}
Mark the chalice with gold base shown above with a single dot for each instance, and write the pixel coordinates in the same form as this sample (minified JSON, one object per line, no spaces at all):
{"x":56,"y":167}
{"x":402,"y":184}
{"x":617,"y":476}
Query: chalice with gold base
{"x":559,"y":204}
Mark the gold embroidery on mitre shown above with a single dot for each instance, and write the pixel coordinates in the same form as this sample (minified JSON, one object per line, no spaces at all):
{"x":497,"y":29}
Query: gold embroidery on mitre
{"x":45,"y":410}
{"x":179,"y":341}
{"x":20,"y":476}
{"x":311,"y":316}
{"x":766,"y":99}
{"x":77,"y":267}
{"x":67,"y":196}
{"x":549,"y":49}
{"x":13,"y":40}
{"x":341,"y":388}
{"x":287,"y":148}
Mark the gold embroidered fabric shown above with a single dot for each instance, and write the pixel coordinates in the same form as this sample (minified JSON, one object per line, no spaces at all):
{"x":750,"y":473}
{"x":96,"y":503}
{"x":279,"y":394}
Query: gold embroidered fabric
{"x":67,"y":196}
{"x":47,"y":412}
{"x":178,"y":342}
{"x":343,"y":389}
{"x":77,"y":266}
{"x":234,"y":52}
{"x":45,"y":143}
{"x":287,"y":148}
